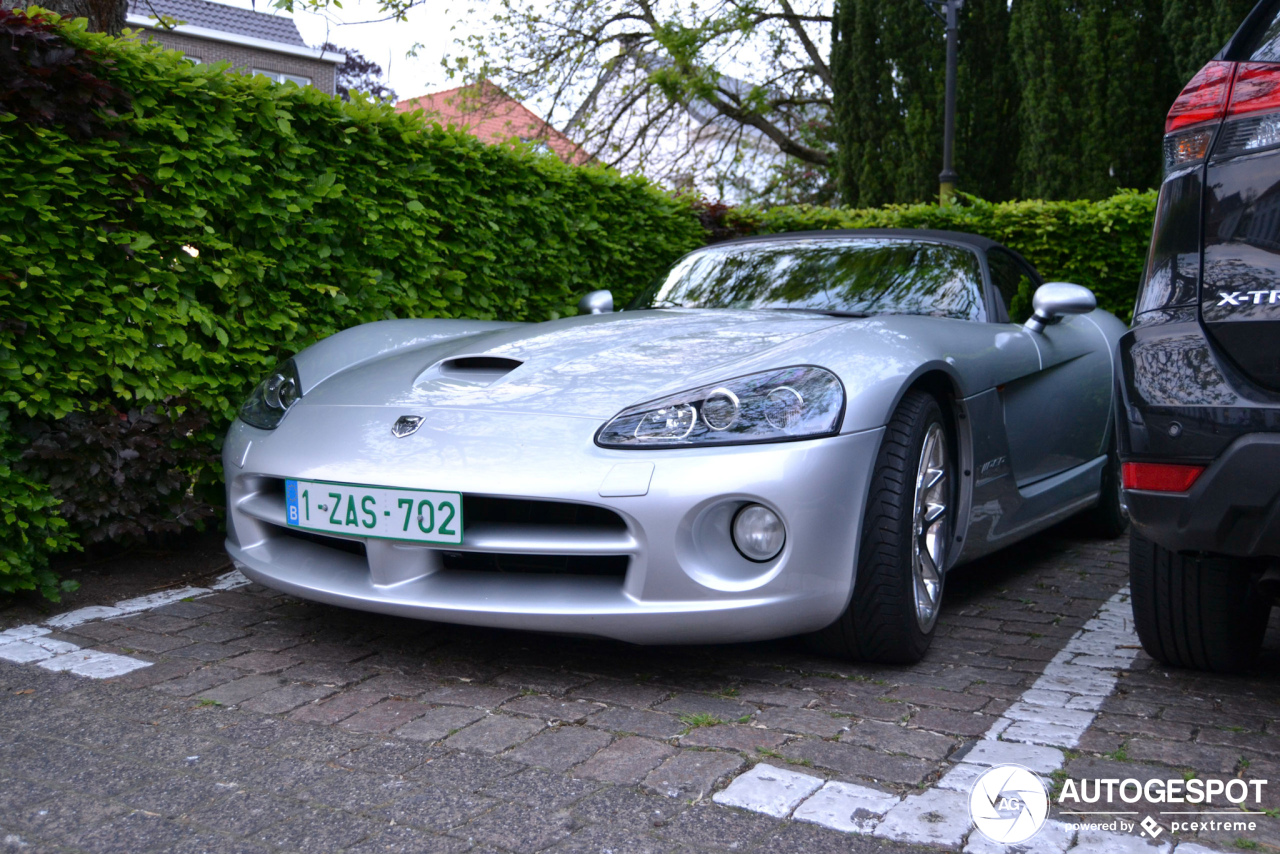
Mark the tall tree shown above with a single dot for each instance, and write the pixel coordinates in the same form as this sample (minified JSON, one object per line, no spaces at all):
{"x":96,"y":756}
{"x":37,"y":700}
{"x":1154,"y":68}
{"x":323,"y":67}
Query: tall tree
{"x":889,"y":64}
{"x":104,"y":16}
{"x":867,"y":116}
{"x":987,"y":132}
{"x":1196,"y":30}
{"x":1128,"y":83}
{"x":666,"y":86}
{"x":1044,"y":42}
{"x":359,"y":74}
{"x":916,"y":41}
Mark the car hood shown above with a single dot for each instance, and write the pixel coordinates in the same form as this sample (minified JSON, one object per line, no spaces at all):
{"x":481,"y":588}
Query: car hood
{"x":584,"y":366}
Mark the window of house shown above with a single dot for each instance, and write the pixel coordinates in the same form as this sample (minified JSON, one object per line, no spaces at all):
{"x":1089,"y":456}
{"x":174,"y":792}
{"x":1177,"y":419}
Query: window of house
{"x":281,"y":77}
{"x":537,"y":146}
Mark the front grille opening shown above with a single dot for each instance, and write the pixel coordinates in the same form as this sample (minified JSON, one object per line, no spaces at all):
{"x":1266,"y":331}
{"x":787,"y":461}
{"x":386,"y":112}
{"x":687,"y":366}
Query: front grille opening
{"x":355,"y":547}
{"x":611,"y":566}
{"x":273,"y":486}
{"x":558,"y":513}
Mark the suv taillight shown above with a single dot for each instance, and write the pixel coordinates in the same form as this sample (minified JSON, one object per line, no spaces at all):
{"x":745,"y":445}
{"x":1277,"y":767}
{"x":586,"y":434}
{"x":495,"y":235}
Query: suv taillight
{"x":1204,"y":99}
{"x":1256,"y":88}
{"x":1224,"y":90}
{"x":1194,"y":115}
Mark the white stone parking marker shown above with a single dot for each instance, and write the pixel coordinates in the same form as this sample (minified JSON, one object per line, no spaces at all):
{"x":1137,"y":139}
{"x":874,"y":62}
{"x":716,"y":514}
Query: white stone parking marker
{"x":61,"y":655}
{"x":83,"y":615}
{"x":32,"y":650}
{"x":1054,"y":838}
{"x":22,"y":633}
{"x":772,"y":791}
{"x":933,"y":817}
{"x":94,"y":664}
{"x":1106,"y":842}
{"x":844,"y":806}
{"x":233,"y":579}
{"x":156,"y":600}
{"x":27,"y":644}
{"x":989,"y":752}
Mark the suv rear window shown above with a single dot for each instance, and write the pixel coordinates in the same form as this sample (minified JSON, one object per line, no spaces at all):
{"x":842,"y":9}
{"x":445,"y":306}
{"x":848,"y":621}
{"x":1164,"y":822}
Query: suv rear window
{"x":1264,"y":45}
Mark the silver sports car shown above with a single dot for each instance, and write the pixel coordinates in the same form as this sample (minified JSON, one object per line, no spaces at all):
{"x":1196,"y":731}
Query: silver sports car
{"x":786,"y":434}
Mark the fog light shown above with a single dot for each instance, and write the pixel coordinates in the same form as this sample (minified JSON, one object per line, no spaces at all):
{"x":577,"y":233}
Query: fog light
{"x":758,"y":533}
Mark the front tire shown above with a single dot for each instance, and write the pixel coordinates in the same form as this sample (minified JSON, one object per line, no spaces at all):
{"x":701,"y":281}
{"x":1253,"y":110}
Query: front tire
{"x":1202,"y":612}
{"x":907,"y":528}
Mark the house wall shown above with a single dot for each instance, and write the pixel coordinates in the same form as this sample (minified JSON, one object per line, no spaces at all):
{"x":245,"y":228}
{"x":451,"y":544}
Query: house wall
{"x":320,"y":72}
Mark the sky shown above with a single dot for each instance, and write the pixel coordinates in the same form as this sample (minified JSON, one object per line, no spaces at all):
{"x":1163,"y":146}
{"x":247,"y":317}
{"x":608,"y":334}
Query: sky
{"x":387,"y":42}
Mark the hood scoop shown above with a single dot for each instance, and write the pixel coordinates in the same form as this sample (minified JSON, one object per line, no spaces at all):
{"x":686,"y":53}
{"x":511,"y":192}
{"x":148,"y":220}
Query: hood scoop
{"x":473,"y":370}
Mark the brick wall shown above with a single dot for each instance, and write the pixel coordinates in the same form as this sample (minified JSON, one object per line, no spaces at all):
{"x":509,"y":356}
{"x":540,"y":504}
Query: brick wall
{"x":321,"y":73}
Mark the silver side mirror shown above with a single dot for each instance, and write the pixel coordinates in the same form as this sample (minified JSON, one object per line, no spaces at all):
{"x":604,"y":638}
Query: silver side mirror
{"x":596,"y":302}
{"x":1052,"y":300}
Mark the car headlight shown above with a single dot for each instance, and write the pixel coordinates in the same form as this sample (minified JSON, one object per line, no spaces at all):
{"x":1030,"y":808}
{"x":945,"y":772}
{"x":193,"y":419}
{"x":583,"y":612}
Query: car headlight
{"x":791,"y":403}
{"x":272,"y":397}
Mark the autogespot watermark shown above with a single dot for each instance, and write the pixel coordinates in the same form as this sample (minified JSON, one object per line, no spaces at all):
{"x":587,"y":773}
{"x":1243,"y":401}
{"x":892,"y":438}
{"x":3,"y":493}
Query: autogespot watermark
{"x":1193,"y":805}
{"x":1010,"y":804}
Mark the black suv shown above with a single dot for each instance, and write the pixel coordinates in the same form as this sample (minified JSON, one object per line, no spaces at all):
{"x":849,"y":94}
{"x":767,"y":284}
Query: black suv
{"x":1199,"y":404}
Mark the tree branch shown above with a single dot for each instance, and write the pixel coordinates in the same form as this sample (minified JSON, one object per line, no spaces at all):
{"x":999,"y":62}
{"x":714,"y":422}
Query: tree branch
{"x":818,"y":63}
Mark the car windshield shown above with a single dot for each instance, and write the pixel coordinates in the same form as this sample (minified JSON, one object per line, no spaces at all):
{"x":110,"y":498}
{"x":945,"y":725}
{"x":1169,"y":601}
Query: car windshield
{"x":843,"y":276}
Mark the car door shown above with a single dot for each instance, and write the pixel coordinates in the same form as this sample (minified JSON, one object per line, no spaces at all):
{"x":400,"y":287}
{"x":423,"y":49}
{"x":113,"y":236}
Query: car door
{"x":1055,"y":417}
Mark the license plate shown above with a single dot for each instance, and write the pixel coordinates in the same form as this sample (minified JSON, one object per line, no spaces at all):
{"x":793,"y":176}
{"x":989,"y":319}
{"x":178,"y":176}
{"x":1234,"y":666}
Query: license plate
{"x":388,"y":513}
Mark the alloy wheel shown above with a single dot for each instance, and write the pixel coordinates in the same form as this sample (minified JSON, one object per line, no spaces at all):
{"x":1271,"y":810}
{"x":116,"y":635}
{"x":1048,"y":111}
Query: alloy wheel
{"x":931,"y":528}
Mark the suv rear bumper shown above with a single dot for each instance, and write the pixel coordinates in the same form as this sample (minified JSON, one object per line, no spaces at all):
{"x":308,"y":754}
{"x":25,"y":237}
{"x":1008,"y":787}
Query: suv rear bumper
{"x":1232,"y":509}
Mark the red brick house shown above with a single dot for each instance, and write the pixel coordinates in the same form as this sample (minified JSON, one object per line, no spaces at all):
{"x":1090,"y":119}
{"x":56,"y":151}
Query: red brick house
{"x":487,"y":113}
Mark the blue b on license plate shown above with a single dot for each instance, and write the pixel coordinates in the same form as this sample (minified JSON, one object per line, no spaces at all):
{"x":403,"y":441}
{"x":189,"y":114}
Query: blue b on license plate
{"x":416,"y":515}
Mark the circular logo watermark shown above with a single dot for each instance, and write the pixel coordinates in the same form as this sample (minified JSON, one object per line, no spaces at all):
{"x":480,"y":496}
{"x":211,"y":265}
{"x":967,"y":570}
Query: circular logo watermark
{"x":1008,"y":804}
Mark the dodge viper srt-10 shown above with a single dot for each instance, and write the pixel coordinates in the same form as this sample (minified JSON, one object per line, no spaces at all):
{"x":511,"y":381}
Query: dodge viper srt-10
{"x":796,"y":434}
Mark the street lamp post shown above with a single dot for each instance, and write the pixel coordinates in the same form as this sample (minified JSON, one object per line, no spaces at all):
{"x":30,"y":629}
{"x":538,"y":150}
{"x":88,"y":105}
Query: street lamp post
{"x":949,"y":12}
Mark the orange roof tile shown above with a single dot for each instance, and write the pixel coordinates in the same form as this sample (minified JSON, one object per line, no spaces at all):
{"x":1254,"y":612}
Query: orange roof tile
{"x":487,"y":113}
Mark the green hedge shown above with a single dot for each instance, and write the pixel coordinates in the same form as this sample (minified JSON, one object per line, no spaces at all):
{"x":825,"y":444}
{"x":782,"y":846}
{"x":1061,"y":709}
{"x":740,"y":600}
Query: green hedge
{"x":1101,"y":245}
{"x":221,"y":222}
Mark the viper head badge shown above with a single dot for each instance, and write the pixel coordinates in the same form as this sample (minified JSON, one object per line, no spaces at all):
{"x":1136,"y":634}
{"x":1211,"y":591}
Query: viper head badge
{"x":406,"y":425}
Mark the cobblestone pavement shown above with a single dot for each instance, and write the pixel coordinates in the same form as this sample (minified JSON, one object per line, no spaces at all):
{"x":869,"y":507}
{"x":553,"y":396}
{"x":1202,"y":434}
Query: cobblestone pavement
{"x":264,"y":723}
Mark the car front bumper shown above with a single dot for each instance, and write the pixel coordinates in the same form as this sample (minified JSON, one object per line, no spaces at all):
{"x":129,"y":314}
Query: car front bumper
{"x":683,"y":582}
